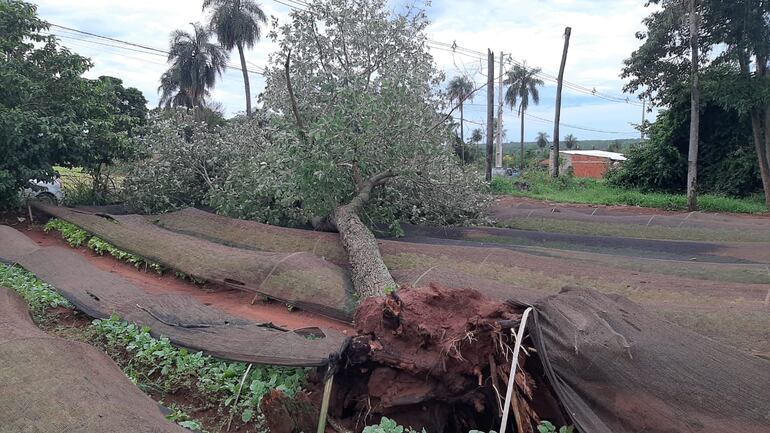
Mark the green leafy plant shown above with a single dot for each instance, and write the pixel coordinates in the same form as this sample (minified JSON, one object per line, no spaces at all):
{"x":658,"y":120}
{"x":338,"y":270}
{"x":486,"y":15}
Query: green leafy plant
{"x":155,"y":364}
{"x":547,"y":427}
{"x":387,"y":425}
{"x":74,"y":235}
{"x":179,"y":416}
{"x":100,"y":247}
{"x":39,"y":295}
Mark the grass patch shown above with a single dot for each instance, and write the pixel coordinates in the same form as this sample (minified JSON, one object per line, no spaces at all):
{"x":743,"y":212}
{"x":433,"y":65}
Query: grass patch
{"x":209,"y":385}
{"x":633,"y":230}
{"x":566,"y":189}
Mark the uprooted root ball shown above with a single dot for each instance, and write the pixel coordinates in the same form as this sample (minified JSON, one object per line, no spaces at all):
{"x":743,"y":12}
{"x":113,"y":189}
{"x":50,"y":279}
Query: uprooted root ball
{"x":434,"y":358}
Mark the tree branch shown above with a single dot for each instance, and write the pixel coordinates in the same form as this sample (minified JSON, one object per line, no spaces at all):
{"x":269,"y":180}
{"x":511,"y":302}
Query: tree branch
{"x":293,"y":99}
{"x":365,"y":190}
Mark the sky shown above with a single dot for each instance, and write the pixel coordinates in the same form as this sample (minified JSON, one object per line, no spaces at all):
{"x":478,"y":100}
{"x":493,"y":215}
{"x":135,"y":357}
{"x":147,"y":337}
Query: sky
{"x":603,"y":35}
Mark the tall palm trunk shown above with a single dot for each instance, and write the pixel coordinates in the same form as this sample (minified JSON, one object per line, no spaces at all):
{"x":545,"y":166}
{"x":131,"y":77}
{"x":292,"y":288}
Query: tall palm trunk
{"x":462,"y":133}
{"x":246,"y":85}
{"x":521,"y":163}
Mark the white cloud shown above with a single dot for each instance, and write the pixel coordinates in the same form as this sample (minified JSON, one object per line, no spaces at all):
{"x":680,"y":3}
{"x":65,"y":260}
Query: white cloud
{"x":602,"y":36}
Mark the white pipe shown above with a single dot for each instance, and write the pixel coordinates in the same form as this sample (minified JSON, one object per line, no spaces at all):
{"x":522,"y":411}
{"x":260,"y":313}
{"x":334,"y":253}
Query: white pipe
{"x":514,"y":365}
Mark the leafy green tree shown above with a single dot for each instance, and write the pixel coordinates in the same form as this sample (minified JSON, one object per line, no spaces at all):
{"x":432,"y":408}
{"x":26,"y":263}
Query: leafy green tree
{"x":237,"y":25}
{"x":196,"y":62}
{"x":49,"y":114}
{"x":570,"y":141}
{"x":522,"y":85}
{"x":459,"y":90}
{"x":356,"y":85}
{"x":736,"y":76}
{"x":542,"y":140}
{"x":118,"y":115}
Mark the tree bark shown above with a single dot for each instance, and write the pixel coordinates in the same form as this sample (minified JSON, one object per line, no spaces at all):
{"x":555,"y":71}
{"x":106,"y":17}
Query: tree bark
{"x":761,"y":136}
{"x":692,"y":156}
{"x":521,"y":162}
{"x":246,"y":84}
{"x":368,"y":271}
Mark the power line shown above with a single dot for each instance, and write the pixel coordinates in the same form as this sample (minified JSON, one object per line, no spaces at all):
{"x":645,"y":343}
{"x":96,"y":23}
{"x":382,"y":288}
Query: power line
{"x":542,"y":119}
{"x":133,"y":45}
{"x":478,"y":55}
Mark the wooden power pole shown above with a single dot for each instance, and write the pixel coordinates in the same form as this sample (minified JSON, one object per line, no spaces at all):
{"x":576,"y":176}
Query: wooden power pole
{"x":490,"y":112}
{"x":555,"y":147}
{"x":499,"y":153}
{"x":692,"y":155}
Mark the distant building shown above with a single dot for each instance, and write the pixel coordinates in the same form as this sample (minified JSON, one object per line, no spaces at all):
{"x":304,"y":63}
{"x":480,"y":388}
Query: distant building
{"x":589,"y":163}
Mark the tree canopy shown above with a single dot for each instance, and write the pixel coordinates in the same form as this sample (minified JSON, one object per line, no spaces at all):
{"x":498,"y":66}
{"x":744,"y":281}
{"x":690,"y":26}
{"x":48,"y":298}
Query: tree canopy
{"x":237,"y":25}
{"x":196,"y":62}
{"x":362,"y":97}
{"x":735,"y":40}
{"x":49,"y":114}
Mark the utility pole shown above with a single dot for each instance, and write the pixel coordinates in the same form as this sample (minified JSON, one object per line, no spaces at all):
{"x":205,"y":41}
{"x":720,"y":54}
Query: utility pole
{"x":555,"y":147}
{"x":490,"y":111}
{"x":692,"y":154}
{"x":499,"y":155}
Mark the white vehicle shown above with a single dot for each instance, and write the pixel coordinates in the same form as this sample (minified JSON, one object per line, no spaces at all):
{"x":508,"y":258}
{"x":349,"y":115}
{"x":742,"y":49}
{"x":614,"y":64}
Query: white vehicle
{"x":49,"y":192}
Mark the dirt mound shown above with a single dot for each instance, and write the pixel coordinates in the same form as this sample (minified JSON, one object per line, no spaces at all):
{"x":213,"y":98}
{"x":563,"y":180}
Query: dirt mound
{"x":52,"y":385}
{"x":435,"y":358}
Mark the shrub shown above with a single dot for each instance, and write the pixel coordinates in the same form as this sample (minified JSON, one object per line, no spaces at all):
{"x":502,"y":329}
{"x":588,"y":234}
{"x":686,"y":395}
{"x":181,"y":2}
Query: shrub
{"x":655,"y":167}
{"x":185,"y":160}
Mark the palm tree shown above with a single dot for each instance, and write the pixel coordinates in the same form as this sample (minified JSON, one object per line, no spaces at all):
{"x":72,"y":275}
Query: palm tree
{"x":195,"y":64}
{"x":459,"y":90}
{"x":542,"y":139}
{"x":570,"y":141}
{"x":522,"y":85}
{"x":236,"y":24}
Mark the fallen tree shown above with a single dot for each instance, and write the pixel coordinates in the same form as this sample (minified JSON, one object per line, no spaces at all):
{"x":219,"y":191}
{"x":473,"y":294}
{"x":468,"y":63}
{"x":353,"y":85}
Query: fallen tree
{"x":356,"y":86}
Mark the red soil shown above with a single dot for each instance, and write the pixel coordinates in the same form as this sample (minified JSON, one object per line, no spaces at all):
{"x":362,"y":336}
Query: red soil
{"x":230,"y":301}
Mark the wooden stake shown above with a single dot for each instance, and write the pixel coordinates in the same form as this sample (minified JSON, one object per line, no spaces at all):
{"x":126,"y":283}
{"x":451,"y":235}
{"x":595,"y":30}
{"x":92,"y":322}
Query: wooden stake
{"x":237,"y":395}
{"x":325,"y":404}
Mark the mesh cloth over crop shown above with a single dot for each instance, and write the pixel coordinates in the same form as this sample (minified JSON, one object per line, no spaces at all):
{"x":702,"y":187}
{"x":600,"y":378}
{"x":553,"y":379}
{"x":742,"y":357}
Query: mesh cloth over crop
{"x":296,"y":277}
{"x":48,"y":384}
{"x":618,"y":368}
{"x":722,"y":286}
{"x":184,"y":320}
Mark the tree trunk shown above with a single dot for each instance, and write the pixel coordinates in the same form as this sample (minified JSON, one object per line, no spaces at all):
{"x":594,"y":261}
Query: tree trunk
{"x":462,"y":132}
{"x":521,"y":163}
{"x":246,"y":84}
{"x":692,"y":156}
{"x":761,"y":135}
{"x":368,"y":271}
